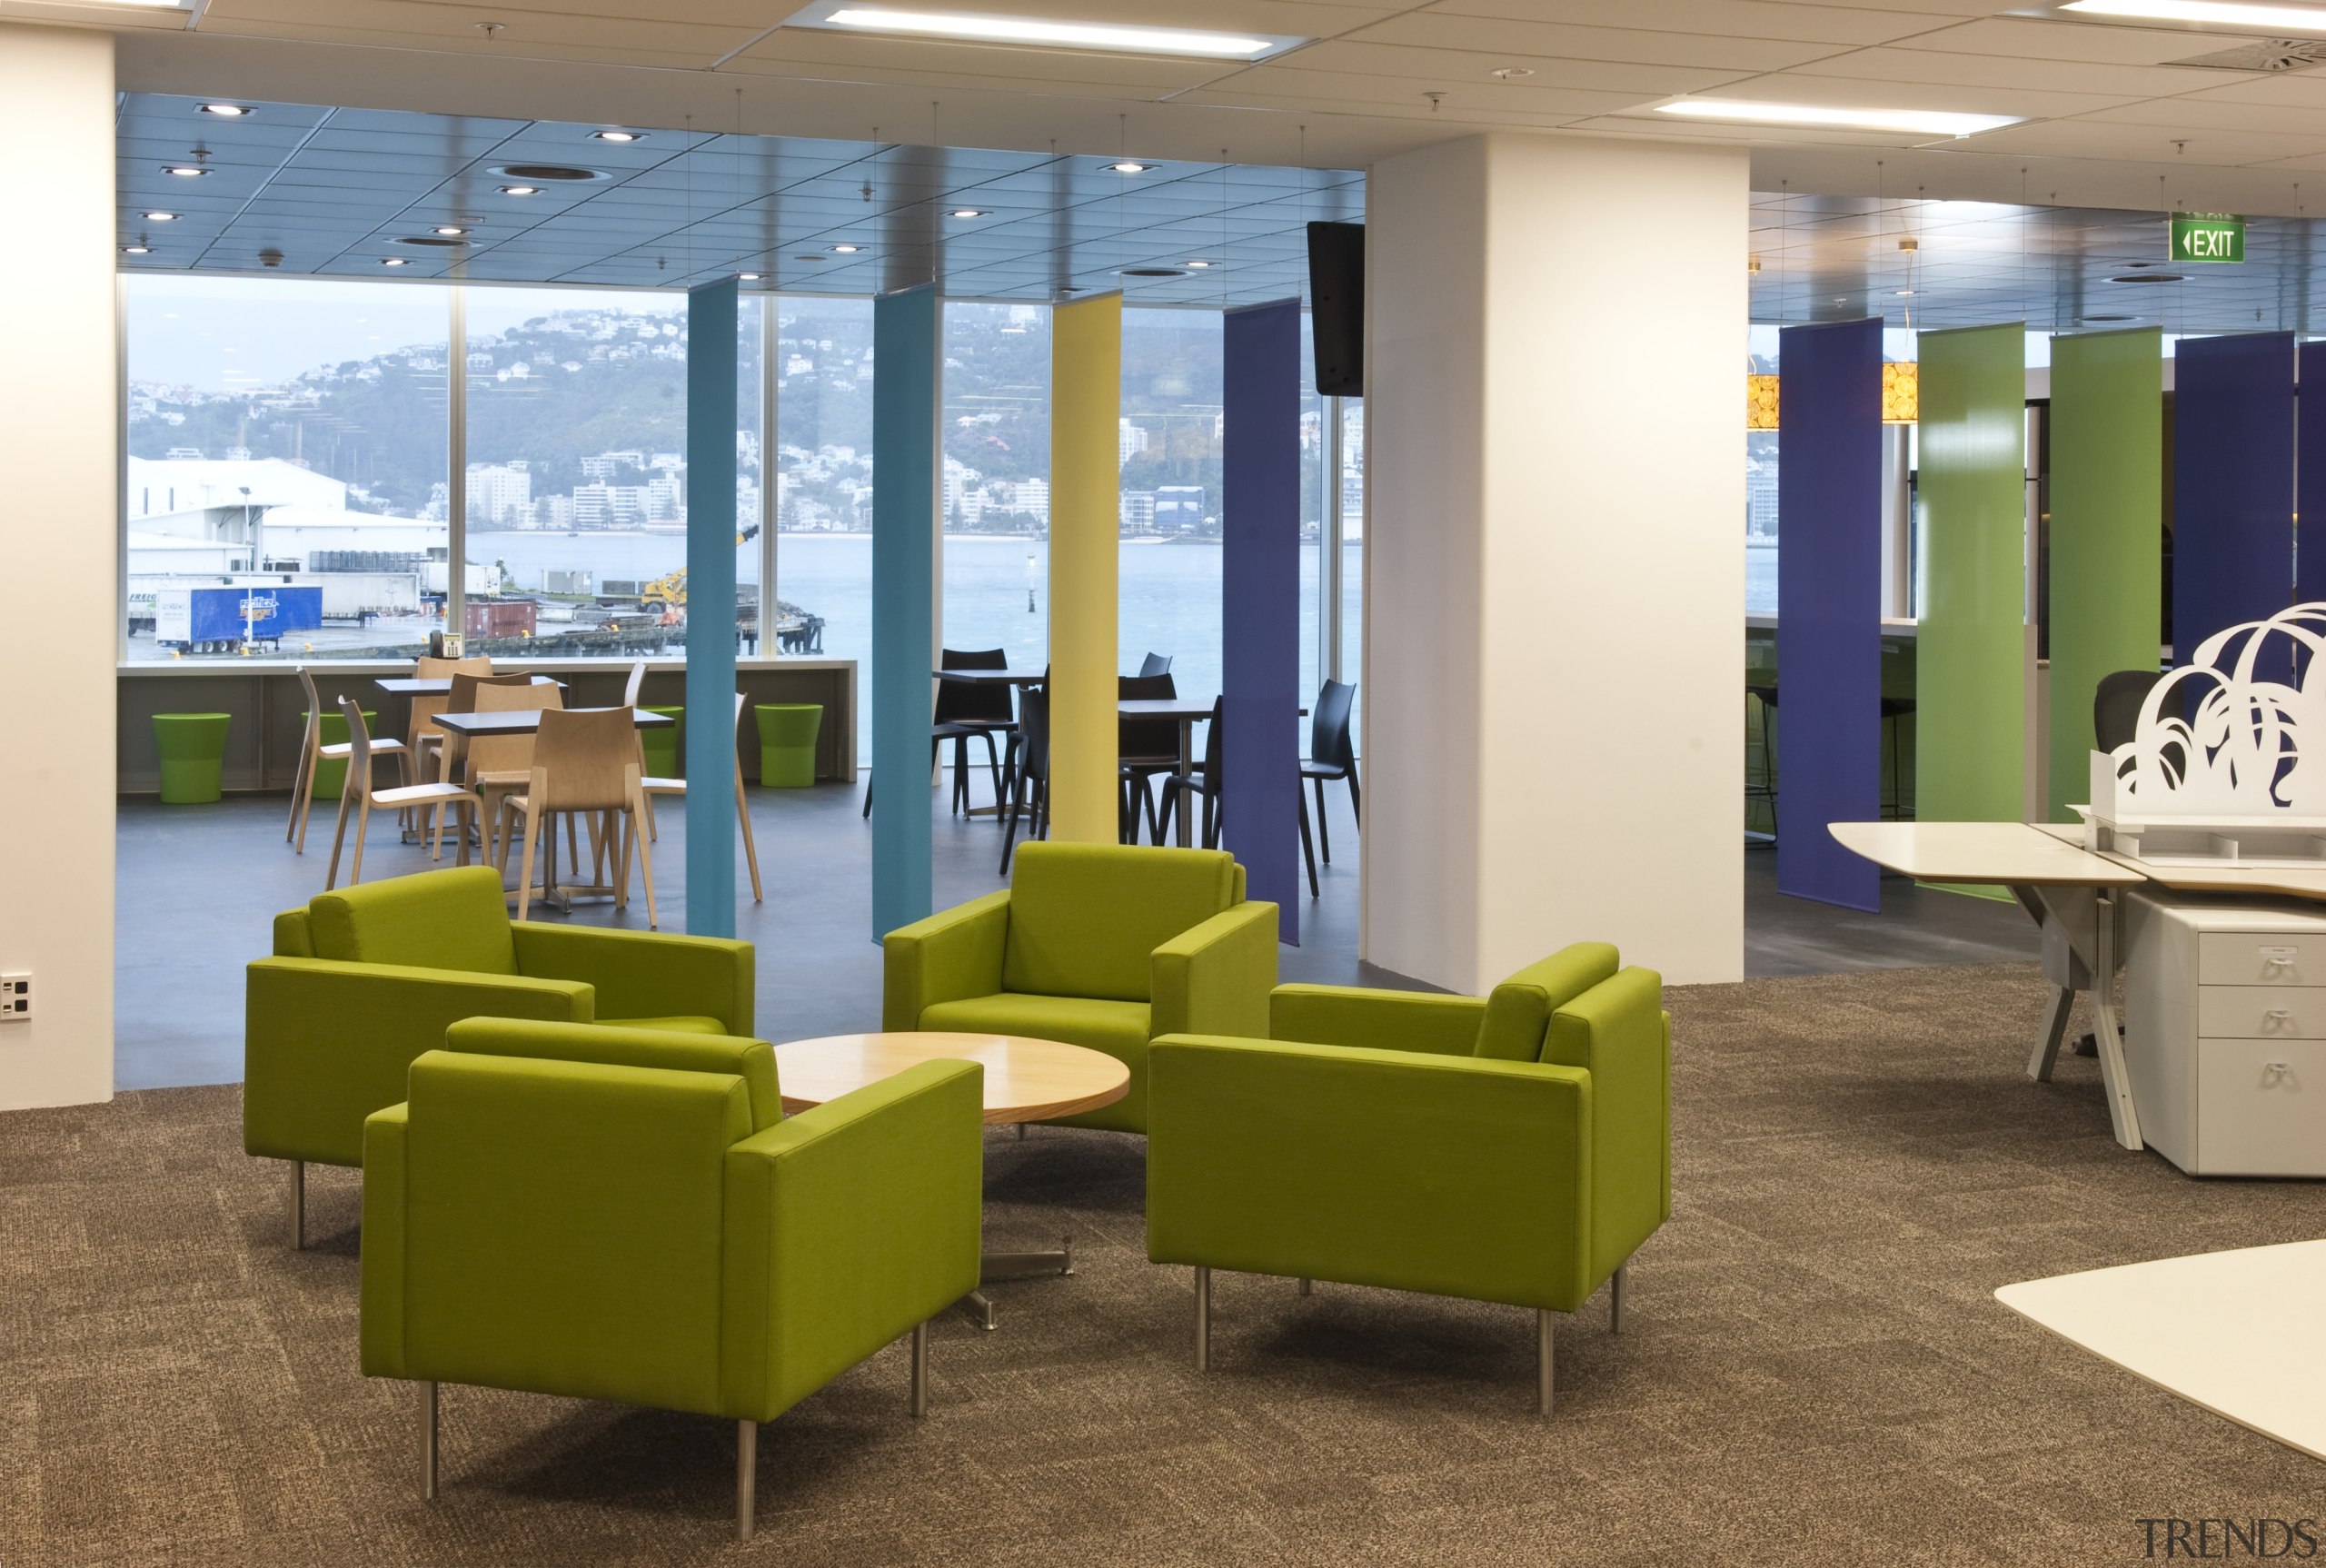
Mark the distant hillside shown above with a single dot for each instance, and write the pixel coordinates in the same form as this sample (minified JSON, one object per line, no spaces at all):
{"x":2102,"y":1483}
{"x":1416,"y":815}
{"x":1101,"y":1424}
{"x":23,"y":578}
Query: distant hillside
{"x":571,"y":385}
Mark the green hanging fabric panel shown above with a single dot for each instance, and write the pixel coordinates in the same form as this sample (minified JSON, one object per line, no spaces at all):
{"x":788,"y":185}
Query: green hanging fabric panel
{"x":2107,"y":436}
{"x":1971,"y":651}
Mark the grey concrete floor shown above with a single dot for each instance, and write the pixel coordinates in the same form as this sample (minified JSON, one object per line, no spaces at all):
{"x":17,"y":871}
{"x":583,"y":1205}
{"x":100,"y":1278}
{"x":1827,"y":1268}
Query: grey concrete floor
{"x":198,"y":885}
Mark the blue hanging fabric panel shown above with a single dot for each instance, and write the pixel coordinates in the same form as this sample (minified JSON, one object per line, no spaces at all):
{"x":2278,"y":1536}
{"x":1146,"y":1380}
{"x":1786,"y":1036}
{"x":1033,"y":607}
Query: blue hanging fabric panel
{"x":2233,"y":484}
{"x":1260,"y":602}
{"x":904,"y":525}
{"x":710,"y":607}
{"x":1829,"y":607}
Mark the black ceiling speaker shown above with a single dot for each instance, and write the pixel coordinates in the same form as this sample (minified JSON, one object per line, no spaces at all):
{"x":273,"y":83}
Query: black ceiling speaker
{"x":1336,"y":307}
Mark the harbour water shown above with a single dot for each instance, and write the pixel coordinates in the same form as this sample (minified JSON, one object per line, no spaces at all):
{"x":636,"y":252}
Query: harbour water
{"x":1168,"y":597}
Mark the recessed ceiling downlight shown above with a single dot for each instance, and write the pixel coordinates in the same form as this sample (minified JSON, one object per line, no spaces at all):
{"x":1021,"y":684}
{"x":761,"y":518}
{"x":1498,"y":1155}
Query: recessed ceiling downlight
{"x":1153,"y":272}
{"x":226,"y":111}
{"x":437,"y":240}
{"x":2147,"y":278}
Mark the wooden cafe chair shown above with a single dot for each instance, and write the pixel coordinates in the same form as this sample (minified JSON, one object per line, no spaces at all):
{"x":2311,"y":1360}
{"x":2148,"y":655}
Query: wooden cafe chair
{"x":654,"y":787}
{"x":313,"y":752}
{"x":586,"y":763}
{"x":361,"y":795}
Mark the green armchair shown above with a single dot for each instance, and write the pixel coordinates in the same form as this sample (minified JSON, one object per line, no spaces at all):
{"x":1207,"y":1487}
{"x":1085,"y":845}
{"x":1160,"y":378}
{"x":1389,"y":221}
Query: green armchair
{"x":1512,"y":1149}
{"x":365,"y":979}
{"x":628,"y":1215}
{"x":1098,"y":945}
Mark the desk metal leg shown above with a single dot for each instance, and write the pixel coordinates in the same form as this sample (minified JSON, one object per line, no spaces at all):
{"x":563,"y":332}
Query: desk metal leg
{"x":2111,"y":1043}
{"x":2047,"y":1053}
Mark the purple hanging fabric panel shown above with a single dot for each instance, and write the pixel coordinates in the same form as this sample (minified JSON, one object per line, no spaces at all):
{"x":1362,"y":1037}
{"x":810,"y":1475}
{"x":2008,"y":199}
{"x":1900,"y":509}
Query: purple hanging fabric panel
{"x":1260,"y":603}
{"x":2233,"y":486}
{"x":2310,"y":445}
{"x":1829,"y":607}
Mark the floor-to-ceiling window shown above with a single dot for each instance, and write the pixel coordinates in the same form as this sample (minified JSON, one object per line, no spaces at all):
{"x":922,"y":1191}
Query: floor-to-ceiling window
{"x":995,"y":480}
{"x":753,"y":615}
{"x":823,"y":482}
{"x":1170,"y":447}
{"x":576,"y":467}
{"x":285,"y":470}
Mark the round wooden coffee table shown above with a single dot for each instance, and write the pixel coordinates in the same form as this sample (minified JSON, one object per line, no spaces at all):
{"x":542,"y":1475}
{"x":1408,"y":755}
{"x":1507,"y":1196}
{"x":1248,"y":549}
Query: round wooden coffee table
{"x":1026,"y":1080}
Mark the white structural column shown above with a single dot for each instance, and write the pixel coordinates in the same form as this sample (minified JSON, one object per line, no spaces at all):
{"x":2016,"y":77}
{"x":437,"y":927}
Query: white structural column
{"x":1553,"y":729}
{"x":59,"y":409}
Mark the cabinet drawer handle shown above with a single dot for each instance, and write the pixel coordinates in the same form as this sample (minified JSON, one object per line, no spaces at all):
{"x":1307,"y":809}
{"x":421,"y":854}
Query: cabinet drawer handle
{"x":2280,"y":1015}
{"x":2273,"y":1071}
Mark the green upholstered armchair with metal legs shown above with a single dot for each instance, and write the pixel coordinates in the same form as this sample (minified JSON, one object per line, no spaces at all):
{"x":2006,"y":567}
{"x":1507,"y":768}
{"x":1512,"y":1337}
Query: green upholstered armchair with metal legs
{"x":365,"y":979}
{"x":1512,"y":1149}
{"x":1098,"y":945}
{"x":628,"y":1215}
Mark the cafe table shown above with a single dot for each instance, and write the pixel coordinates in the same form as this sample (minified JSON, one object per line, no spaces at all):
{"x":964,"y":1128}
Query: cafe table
{"x":433,"y":685}
{"x":467,"y":726}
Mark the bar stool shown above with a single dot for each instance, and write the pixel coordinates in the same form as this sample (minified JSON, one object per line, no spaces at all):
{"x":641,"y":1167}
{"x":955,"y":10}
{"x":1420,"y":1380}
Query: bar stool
{"x":1895,"y":710}
{"x":1764,"y":696}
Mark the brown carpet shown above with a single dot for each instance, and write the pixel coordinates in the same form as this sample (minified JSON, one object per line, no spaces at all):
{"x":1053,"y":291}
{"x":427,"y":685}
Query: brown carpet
{"x":1814,"y":1372}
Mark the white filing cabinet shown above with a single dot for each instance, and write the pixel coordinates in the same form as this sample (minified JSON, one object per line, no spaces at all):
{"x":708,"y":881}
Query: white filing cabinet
{"x":2226,"y":1031}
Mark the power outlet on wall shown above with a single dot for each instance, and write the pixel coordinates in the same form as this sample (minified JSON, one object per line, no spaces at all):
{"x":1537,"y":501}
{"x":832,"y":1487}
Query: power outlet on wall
{"x":16,"y":998}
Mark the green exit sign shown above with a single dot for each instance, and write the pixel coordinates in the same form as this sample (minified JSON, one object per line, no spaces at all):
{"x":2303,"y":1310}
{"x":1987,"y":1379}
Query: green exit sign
{"x":2208,"y":237}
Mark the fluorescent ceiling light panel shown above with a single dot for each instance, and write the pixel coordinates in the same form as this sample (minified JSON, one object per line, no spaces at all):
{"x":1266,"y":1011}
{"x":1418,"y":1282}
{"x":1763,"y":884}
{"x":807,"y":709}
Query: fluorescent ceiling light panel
{"x":1915,"y":122}
{"x":2208,"y":13}
{"x":983,"y":28}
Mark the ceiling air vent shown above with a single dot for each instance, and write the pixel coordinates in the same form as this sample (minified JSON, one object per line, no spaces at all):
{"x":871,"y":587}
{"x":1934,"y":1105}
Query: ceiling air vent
{"x":547,"y":172}
{"x":2263,"y":54}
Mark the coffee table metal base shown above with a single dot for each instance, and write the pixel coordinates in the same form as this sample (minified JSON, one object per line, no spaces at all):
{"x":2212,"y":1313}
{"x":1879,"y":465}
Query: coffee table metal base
{"x":994,"y":1267}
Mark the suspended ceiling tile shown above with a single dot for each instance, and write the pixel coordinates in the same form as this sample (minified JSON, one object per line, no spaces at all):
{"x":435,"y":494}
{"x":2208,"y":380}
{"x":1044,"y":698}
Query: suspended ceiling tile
{"x":1474,"y":69}
{"x":810,"y":51}
{"x":1523,"y":43}
{"x":1671,"y":128}
{"x":1770,"y":20}
{"x":1872,"y":91}
{"x":635,"y":55}
{"x":2208,"y":148}
{"x":1289,"y":85}
{"x":562,"y":33}
{"x":2200,"y":117}
{"x":2032,"y":38}
{"x":1955,"y":69}
{"x":2291,"y":89}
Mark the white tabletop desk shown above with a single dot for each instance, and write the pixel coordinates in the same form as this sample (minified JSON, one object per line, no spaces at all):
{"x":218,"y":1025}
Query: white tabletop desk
{"x":2066,"y":889}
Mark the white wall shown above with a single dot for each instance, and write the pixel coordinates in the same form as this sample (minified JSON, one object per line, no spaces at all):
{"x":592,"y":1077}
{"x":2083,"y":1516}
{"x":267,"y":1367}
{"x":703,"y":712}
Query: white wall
{"x":59,"y":405}
{"x":1553,"y":666}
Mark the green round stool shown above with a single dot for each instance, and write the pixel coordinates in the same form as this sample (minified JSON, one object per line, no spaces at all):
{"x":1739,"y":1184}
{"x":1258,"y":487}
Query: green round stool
{"x":330,"y":772}
{"x":192,"y":748}
{"x":787,"y":743}
{"x":661,"y":745}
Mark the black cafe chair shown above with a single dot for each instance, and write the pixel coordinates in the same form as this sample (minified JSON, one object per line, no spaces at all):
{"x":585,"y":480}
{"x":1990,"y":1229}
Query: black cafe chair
{"x":1332,"y":754}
